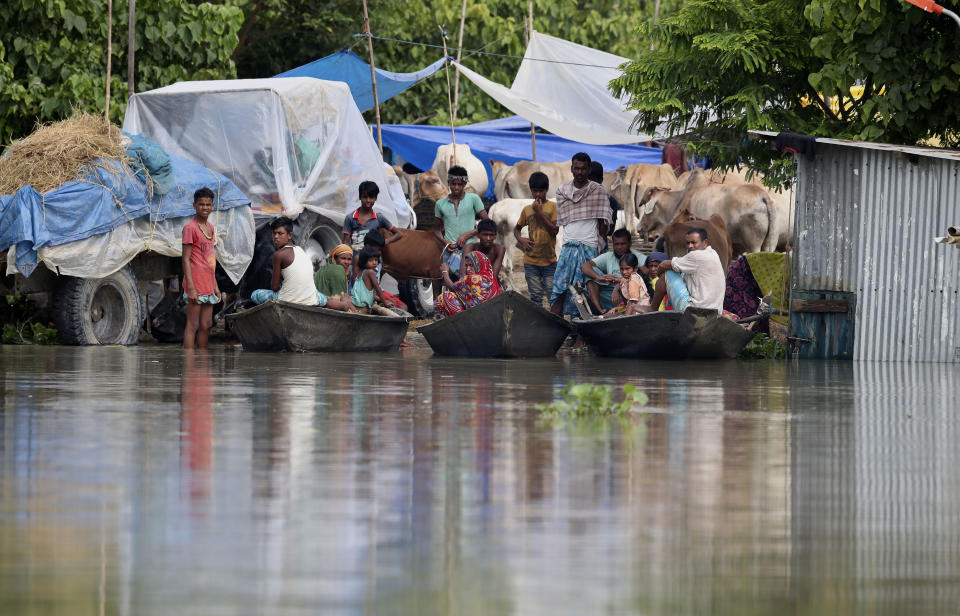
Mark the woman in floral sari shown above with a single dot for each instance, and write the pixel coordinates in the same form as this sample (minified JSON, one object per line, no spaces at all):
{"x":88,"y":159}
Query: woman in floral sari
{"x":477,"y":285}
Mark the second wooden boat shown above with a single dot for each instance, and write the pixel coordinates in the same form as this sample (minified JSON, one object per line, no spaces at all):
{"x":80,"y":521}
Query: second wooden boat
{"x":509,"y":325}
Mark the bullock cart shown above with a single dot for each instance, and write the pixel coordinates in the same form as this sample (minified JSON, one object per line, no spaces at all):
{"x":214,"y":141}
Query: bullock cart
{"x":282,"y":326}
{"x":508,"y":325}
{"x":693,"y":334}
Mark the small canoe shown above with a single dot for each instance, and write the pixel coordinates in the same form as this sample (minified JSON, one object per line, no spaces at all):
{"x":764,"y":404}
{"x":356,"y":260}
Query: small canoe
{"x":509,"y":325}
{"x":282,"y":326}
{"x":693,"y":334}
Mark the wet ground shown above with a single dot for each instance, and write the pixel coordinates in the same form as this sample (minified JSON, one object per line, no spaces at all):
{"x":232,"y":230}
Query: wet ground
{"x":139,"y":481}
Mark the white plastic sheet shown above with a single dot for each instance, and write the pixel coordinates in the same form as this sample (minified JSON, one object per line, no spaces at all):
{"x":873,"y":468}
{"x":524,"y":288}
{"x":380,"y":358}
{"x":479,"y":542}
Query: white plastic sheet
{"x":288,"y":144}
{"x":102,"y":255}
{"x":567,"y":96}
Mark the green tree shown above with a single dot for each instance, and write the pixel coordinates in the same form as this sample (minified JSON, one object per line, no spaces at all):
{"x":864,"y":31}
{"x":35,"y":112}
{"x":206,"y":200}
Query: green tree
{"x":722,"y":67}
{"x":53,"y":54}
{"x":282,"y":36}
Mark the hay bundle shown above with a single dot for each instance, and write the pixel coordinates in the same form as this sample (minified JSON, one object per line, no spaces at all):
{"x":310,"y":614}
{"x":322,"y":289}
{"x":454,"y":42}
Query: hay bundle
{"x":59,"y":152}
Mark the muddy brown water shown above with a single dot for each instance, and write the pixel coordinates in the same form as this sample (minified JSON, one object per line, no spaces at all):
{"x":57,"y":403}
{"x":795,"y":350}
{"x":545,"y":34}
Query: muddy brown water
{"x":143,"y":481}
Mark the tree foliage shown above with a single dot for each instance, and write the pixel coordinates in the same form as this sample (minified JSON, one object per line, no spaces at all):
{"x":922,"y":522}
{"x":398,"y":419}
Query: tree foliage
{"x":288,"y":33}
{"x":721,"y":67}
{"x":53,"y":54}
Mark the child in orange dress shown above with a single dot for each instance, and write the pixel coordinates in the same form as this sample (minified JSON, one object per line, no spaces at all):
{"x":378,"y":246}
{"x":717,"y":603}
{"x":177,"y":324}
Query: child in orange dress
{"x":632,"y":289}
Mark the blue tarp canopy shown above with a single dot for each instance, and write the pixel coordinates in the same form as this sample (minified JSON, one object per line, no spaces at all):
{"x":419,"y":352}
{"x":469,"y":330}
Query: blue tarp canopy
{"x":106,"y":198}
{"x":418,"y":145}
{"x":350,"y":68}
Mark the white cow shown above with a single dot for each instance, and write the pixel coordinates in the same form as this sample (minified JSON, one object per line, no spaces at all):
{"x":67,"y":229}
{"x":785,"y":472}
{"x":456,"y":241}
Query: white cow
{"x":513,"y":181}
{"x":476,"y":173}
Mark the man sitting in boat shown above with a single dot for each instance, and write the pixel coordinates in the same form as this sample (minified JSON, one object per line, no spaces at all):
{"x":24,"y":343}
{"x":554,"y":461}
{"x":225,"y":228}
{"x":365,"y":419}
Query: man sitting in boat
{"x":604,"y":272}
{"x":487,"y":232}
{"x":293,"y":273}
{"x":477,"y":285}
{"x":702,"y":284}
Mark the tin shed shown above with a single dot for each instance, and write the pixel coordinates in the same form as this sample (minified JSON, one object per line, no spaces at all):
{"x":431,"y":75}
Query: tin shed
{"x":868,"y":282}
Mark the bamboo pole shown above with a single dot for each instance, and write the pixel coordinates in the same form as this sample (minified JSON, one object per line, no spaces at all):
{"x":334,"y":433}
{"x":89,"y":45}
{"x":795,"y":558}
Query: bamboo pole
{"x":656,"y":17}
{"x":373,"y":76}
{"x":131,"y":40}
{"x":446,"y":67}
{"x":533,"y":127}
{"x":456,"y":79}
{"x":106,"y":109}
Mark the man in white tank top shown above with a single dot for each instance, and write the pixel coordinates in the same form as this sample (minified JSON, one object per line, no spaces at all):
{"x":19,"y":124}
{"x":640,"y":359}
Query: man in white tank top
{"x":293,"y":274}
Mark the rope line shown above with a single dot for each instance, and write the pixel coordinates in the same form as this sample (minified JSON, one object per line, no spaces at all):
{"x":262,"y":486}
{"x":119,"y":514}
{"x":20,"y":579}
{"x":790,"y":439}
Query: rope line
{"x":471,"y":52}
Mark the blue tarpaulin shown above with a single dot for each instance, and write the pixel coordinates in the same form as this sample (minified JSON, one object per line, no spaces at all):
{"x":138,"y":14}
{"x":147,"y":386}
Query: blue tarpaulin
{"x":350,"y":68}
{"x":418,"y":145}
{"x":102,"y":201}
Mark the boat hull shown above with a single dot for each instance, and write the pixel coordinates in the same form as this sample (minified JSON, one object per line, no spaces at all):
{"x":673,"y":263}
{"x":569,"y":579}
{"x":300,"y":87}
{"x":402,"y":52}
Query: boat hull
{"x":509,"y":326}
{"x":692,"y":334}
{"x":282,"y":326}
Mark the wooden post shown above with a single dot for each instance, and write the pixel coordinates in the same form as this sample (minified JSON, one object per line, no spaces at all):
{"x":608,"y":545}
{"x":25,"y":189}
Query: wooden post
{"x":533,"y":127}
{"x":456,"y":79}
{"x":453,"y":134}
{"x":656,"y":16}
{"x":106,"y":109}
{"x":131,"y":40}
{"x":373,"y":75}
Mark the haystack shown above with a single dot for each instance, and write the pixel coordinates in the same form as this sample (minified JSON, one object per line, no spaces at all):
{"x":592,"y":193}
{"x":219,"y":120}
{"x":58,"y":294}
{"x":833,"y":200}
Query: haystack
{"x":59,"y":152}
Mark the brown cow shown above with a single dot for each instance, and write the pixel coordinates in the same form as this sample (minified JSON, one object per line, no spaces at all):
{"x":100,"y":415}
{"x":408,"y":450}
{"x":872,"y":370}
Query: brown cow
{"x":630,"y":184}
{"x":416,"y":255}
{"x":674,"y":236}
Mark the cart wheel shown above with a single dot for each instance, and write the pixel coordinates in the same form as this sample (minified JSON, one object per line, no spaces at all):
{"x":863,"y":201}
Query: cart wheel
{"x":107,"y":310}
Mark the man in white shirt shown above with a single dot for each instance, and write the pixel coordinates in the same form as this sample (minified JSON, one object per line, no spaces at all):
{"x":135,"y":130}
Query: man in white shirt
{"x":703,"y":272}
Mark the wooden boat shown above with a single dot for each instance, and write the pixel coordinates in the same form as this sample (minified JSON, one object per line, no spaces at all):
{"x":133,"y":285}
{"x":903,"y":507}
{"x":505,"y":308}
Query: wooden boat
{"x":509,"y":325}
{"x":279,"y":326}
{"x":693,"y":334}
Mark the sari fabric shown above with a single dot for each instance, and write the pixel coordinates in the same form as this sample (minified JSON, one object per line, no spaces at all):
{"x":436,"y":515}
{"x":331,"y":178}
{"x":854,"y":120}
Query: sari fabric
{"x":470,"y":290}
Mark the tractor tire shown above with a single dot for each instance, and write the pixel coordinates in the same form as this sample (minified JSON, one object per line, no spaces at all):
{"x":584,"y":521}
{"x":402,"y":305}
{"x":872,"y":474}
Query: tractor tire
{"x":418,"y":296}
{"x":107,"y":310}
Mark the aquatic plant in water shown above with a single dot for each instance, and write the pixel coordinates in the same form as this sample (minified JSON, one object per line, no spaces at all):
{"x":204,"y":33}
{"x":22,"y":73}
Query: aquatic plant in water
{"x":16,"y":316}
{"x":589,"y":401}
{"x":763,"y":347}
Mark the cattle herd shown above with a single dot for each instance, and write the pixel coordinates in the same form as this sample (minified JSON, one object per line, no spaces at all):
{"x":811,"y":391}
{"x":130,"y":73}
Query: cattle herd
{"x":740,"y":215}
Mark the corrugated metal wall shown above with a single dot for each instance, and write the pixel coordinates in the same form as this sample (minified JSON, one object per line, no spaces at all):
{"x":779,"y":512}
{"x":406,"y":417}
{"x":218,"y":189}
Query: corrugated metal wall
{"x":865,"y":223}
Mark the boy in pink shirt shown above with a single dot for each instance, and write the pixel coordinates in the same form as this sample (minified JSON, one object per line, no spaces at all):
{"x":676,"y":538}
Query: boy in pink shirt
{"x":199,"y":271}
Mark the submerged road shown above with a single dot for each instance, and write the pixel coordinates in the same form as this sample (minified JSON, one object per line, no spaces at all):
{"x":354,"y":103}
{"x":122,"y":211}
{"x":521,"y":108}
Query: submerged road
{"x":144,"y":481}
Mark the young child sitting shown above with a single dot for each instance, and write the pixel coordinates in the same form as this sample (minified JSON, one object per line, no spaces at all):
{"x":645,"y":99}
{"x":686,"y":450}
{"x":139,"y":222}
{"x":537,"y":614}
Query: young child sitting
{"x":633,"y":290}
{"x":375,"y":242}
{"x":366,"y":289}
{"x":487,"y":233}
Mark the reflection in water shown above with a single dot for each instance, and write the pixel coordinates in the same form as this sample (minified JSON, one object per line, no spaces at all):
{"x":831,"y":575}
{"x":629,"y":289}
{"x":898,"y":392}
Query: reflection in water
{"x":231,"y":482}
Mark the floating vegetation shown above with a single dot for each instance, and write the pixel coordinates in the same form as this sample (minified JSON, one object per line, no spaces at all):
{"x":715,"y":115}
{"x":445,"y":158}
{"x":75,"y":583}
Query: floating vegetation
{"x":764,"y":347}
{"x":589,"y":401}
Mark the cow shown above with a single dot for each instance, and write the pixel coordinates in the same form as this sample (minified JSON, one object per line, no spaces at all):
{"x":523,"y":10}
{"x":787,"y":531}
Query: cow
{"x":630,"y":183}
{"x":674,"y":235}
{"x":476,"y":173}
{"x":422,"y":190}
{"x":416,"y":255}
{"x":513,"y":181}
{"x":747,"y":210}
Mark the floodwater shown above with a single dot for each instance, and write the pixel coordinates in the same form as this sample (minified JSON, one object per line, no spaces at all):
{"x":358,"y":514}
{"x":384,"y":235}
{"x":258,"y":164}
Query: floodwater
{"x":141,"y":481}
